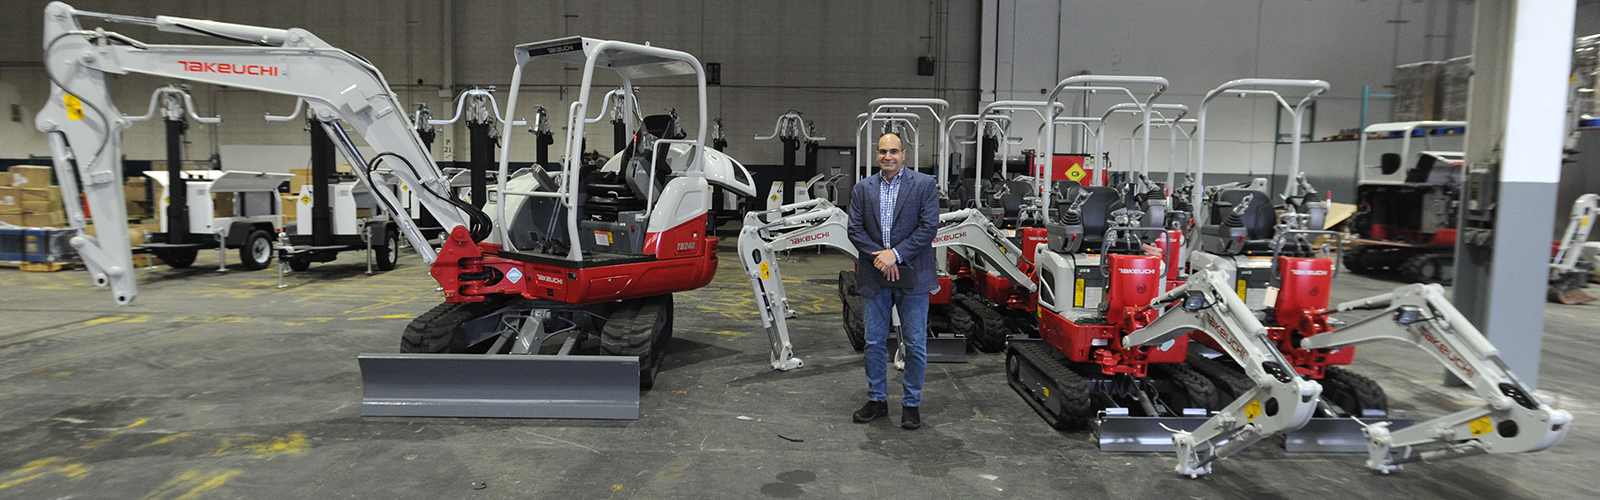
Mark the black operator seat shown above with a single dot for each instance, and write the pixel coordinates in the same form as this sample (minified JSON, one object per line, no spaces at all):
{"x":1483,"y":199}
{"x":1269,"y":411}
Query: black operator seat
{"x":1011,"y":197}
{"x":1256,"y":223}
{"x":1419,"y":174}
{"x":1096,"y":213}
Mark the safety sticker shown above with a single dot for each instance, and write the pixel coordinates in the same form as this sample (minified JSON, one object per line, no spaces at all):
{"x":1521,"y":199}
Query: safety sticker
{"x":1077,"y":294}
{"x":74,"y":107}
{"x":305,"y":200}
{"x":1252,"y":410}
{"x":1241,"y":290}
{"x":602,"y":238}
{"x":514,"y":275}
{"x":764,"y":274}
{"x":1481,"y":426}
{"x":1076,"y":173}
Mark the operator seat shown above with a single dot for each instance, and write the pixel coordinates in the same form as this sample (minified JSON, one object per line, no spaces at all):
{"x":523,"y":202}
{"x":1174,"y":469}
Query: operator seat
{"x":1085,"y":228}
{"x":1249,"y":232}
{"x":1010,"y":199}
{"x":611,"y":193}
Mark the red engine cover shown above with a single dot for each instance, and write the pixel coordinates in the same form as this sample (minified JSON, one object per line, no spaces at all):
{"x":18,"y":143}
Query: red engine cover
{"x":1032,"y":237}
{"x":1135,"y":281}
{"x":468,"y":272}
{"x":1305,"y":287}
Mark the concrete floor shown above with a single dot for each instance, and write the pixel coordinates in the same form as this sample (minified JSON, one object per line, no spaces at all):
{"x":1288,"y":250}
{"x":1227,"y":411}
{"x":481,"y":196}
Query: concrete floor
{"x":222,"y":386}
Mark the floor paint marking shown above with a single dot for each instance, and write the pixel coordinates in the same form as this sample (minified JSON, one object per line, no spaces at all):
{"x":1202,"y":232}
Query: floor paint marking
{"x":44,"y":467}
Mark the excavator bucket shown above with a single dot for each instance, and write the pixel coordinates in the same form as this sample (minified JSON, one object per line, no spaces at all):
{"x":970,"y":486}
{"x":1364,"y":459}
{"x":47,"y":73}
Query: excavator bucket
{"x":499,"y":386}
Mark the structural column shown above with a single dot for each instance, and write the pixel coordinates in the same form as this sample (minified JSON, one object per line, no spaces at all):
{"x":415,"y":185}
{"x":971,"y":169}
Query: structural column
{"x":1522,"y":53}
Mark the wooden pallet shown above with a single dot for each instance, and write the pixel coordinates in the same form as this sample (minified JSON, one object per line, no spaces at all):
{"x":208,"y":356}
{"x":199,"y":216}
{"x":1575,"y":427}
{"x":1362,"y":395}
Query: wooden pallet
{"x":39,"y":267}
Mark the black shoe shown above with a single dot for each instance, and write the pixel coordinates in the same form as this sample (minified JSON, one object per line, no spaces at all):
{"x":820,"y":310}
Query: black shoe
{"x":909,"y":418}
{"x":871,"y":411}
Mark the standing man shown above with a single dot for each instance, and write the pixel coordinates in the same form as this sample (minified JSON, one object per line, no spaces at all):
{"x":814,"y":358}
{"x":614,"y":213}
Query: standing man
{"x":894,"y":215}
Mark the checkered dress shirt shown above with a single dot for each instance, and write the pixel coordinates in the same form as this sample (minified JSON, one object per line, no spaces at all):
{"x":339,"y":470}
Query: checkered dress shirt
{"x":888,"y":192}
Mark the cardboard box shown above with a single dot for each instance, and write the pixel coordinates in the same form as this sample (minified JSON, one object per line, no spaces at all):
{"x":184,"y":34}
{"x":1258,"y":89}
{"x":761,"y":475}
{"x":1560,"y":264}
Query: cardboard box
{"x":14,"y":219}
{"x":222,"y":204}
{"x":302,"y":176}
{"x":134,"y":190}
{"x":44,"y":219}
{"x":10,"y":200}
{"x":46,"y":199}
{"x":1416,"y":91}
{"x":289,"y":202}
{"x":1455,"y":82}
{"x":30,"y":177}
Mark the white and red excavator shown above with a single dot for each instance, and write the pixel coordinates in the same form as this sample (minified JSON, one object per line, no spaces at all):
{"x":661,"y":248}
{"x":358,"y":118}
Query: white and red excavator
{"x":589,"y":251}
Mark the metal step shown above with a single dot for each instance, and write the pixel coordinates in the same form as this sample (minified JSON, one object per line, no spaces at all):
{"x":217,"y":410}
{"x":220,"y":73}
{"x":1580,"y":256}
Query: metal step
{"x":499,"y":386}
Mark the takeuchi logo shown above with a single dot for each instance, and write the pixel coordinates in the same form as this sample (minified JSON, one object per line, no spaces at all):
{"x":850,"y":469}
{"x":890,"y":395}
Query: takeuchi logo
{"x":230,"y":68}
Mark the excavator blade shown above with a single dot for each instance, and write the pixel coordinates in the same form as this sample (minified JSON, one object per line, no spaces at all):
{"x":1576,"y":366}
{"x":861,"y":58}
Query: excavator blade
{"x":1121,"y":432}
{"x":499,"y":386}
{"x":947,"y":350}
{"x":1336,"y":435}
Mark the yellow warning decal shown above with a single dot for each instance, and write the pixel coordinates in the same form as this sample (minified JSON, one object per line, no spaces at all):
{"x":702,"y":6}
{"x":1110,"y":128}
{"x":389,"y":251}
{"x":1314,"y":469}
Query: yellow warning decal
{"x":1077,"y":294}
{"x":1481,"y":426}
{"x":764,"y":274}
{"x":1252,"y":410}
{"x":1241,"y":289}
{"x":1046,"y":390}
{"x":74,"y":107}
{"x":1076,"y":173}
{"x":305,"y":200}
{"x":774,"y":197}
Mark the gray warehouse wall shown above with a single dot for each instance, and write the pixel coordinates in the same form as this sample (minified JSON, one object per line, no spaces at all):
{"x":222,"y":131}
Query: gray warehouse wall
{"x":1199,"y":45}
{"x":827,"y":59}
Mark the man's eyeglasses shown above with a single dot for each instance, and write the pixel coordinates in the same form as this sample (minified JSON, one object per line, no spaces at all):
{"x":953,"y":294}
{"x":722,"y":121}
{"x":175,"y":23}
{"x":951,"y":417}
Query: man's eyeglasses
{"x":889,"y":151}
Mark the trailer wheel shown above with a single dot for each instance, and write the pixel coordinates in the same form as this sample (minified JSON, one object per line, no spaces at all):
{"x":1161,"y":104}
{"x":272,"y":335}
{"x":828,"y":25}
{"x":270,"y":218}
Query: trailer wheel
{"x":299,"y":263}
{"x":388,"y":256}
{"x":177,"y":258}
{"x":256,"y":253}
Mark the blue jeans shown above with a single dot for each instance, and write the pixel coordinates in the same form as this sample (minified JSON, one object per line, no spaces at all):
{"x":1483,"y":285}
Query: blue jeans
{"x":913,"y":308}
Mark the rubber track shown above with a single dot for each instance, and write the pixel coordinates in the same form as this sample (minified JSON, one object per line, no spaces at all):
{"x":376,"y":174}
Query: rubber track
{"x":627,"y":329}
{"x":1071,"y":387}
{"x":960,"y":320}
{"x":1367,"y":391}
{"x":855,"y":326}
{"x":631,"y":331}
{"x":1229,"y":381}
{"x":990,"y":334}
{"x":1196,"y":387}
{"x":431,"y":332}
